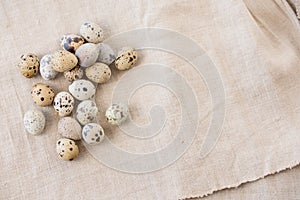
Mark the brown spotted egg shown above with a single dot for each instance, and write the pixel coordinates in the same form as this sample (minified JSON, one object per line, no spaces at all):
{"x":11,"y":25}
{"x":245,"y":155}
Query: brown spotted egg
{"x":126,"y":59}
{"x":74,"y":74}
{"x":63,"y":60}
{"x":99,"y":73}
{"x":71,"y":42}
{"x":67,"y":149}
{"x":28,"y":65}
{"x":42,"y":94}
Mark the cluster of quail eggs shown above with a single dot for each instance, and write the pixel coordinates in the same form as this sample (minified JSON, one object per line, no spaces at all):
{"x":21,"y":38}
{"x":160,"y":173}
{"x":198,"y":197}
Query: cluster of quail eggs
{"x":81,"y":54}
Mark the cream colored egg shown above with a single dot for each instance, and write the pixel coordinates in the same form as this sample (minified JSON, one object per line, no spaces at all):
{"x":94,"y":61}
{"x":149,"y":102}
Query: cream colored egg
{"x":34,"y":122}
{"x":86,"y":112}
{"x":74,"y":74}
{"x":63,"y":60}
{"x":92,"y":32}
{"x":82,"y":89}
{"x":63,"y":104}
{"x":99,"y":73}
{"x":116,"y":114}
{"x":93,"y":133}
{"x":68,"y":127}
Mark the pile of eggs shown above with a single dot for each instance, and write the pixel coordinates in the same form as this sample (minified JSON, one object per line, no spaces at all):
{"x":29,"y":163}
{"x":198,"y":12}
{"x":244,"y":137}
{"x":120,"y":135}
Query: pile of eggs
{"x":83,"y":53}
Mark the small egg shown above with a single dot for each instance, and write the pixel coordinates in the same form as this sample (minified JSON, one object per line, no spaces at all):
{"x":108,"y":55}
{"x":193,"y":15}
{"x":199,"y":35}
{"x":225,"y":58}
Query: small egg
{"x":98,"y":72}
{"x":74,"y":74}
{"x":34,"y":122}
{"x":116,"y":114}
{"x":92,"y":32}
{"x":87,"y":54}
{"x":46,"y":70}
{"x":93,"y":133}
{"x":82,"y":89}
{"x":71,"y":42}
{"x":28,"y":65}
{"x":68,"y":127}
{"x":86,"y":112}
{"x":126,"y":59}
{"x":63,"y":104}
{"x":63,"y":60}
{"x":42,"y":94}
{"x":67,"y":149}
{"x":106,"y":54}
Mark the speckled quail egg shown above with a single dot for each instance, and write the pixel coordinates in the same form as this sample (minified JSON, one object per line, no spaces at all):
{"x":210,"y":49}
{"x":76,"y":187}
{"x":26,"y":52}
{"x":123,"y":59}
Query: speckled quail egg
{"x":28,"y":65}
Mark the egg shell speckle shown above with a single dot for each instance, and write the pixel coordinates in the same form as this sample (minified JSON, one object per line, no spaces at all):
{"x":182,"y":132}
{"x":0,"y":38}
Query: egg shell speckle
{"x":126,"y":59}
{"x":87,"y":54}
{"x":93,"y":133}
{"x":82,"y":89}
{"x":71,"y":42}
{"x":116,"y":114}
{"x":63,"y":104}
{"x":63,"y":60}
{"x":42,"y":94}
{"x":34,"y":122}
{"x":67,"y":149}
{"x":92,"y":32}
{"x":74,"y":74}
{"x":28,"y":65}
{"x":46,"y":70}
{"x":106,"y":54}
{"x":86,"y":112}
{"x":99,"y":73}
{"x":68,"y":127}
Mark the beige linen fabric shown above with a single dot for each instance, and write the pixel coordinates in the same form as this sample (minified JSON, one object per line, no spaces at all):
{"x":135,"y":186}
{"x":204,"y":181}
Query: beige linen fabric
{"x":255,"y":47}
{"x":284,"y":185}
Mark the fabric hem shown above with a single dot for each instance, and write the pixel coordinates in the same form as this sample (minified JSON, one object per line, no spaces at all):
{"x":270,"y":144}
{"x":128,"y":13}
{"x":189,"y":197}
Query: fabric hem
{"x":210,"y":192}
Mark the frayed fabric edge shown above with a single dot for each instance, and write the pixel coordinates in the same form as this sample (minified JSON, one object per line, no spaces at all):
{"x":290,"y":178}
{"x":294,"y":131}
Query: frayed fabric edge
{"x":236,"y":185}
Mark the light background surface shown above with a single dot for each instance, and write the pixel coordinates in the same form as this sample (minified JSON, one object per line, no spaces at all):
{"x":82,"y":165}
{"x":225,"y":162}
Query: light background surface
{"x":255,"y":46}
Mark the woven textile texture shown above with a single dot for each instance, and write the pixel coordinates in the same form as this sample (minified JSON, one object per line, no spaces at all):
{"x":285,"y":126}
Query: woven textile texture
{"x":255,"y":48}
